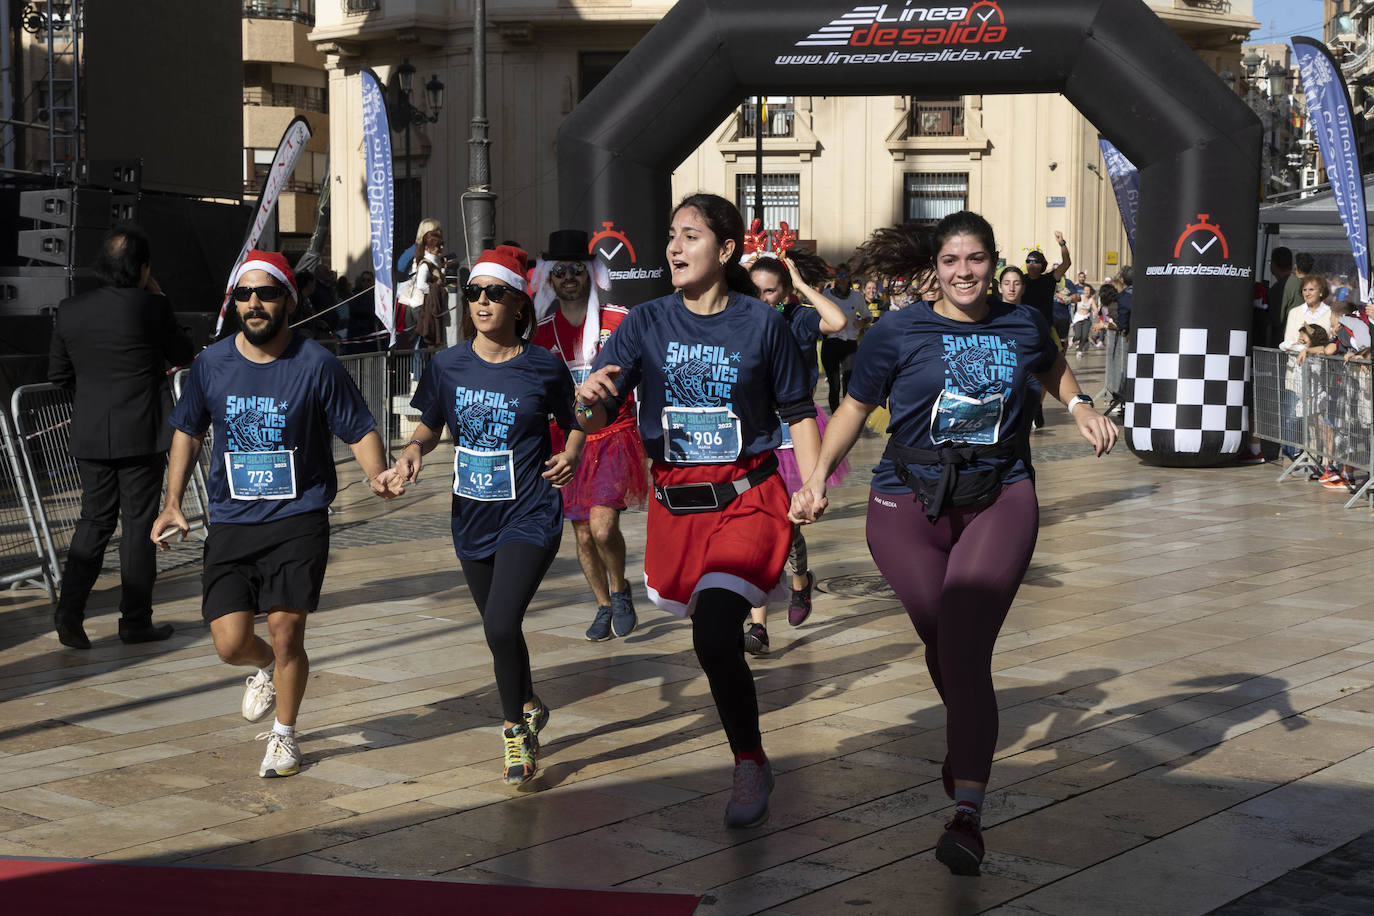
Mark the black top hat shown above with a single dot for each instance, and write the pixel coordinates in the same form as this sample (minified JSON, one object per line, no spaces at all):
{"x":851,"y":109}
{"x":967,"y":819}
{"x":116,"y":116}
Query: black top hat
{"x":568,"y":245}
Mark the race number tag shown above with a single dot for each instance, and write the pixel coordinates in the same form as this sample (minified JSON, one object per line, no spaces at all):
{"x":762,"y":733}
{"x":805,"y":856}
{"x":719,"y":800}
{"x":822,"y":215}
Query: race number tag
{"x":484,"y":476}
{"x":786,"y":433}
{"x":261,"y":475}
{"x":973,"y":421}
{"x":700,"y":435}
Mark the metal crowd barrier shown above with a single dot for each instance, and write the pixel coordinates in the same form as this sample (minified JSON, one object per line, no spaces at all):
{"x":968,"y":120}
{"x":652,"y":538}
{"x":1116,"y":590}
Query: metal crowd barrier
{"x":42,"y":422}
{"x":195,"y":502}
{"x":369,"y":373}
{"x":1323,"y":408}
{"x":23,"y":556}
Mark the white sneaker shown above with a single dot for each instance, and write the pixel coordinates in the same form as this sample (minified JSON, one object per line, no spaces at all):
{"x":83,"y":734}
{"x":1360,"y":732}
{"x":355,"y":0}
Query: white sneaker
{"x":283,"y":755}
{"x":259,"y":696}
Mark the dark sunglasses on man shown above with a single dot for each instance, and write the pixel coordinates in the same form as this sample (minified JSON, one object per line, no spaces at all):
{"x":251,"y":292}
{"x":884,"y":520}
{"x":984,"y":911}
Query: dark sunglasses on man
{"x":495,"y":293}
{"x":571,"y":269}
{"x":264,"y":293}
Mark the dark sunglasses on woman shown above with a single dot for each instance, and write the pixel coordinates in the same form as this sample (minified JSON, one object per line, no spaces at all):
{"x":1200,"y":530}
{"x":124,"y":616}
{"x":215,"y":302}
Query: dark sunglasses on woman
{"x":495,"y":293}
{"x":265,"y":293}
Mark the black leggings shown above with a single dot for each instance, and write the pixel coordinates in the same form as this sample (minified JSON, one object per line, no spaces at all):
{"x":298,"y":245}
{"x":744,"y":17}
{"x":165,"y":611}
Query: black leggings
{"x":957,"y":579}
{"x":502,"y":586}
{"x":719,"y":642}
{"x":837,"y":358}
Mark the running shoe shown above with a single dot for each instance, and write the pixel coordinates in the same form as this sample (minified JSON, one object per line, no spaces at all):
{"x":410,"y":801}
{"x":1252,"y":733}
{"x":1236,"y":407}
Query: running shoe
{"x":799,"y":608}
{"x":961,"y":847}
{"x":1337,"y":482}
{"x":520,"y":755}
{"x":600,"y":630}
{"x":756,"y":639}
{"x":259,"y":696}
{"x":283,"y":755}
{"x":623,"y":617}
{"x":748,"y":805}
{"x":1250,"y":458}
{"x":1329,"y":476}
{"x":535,"y":720}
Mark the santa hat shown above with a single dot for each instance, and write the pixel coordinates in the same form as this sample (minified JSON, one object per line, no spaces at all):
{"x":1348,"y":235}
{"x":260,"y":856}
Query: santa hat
{"x":273,"y":263}
{"x":505,"y":263}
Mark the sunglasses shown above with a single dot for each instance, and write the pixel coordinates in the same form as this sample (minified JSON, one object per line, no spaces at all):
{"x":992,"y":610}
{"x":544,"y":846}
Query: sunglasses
{"x":265,"y":293}
{"x":495,"y":293}
{"x":573,"y":269}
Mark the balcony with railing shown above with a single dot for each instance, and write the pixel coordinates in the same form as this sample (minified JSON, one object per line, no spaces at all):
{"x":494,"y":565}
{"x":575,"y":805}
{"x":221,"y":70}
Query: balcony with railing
{"x":302,"y":11}
{"x":779,"y":120}
{"x":943,"y":118}
{"x":306,"y":98}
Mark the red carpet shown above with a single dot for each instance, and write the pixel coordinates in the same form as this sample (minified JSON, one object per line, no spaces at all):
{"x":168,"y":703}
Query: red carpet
{"x":86,"y":887}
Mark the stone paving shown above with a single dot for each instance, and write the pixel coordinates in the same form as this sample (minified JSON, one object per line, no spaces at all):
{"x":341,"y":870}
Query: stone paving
{"x":1184,"y":683}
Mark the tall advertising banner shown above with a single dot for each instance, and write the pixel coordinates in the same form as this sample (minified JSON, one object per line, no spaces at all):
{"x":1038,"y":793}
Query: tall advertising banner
{"x":1328,"y":105}
{"x":381,"y":198}
{"x":1195,"y":143}
{"x":1125,"y":179}
{"x":289,"y":151}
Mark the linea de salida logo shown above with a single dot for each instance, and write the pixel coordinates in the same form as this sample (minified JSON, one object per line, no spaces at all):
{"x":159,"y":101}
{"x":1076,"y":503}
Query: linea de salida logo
{"x":1200,"y":242}
{"x":887,"y":25}
{"x":874,"y":33}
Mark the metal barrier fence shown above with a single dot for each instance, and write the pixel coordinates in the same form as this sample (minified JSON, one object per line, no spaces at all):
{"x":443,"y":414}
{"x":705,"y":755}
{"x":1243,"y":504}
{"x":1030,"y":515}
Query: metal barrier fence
{"x":1322,"y":407}
{"x":42,"y":421}
{"x":369,"y":373}
{"x":195,"y":502}
{"x":23,"y":556}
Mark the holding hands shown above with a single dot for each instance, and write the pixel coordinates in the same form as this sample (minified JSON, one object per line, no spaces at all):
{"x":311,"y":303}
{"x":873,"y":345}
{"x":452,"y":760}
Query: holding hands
{"x":808,"y":503}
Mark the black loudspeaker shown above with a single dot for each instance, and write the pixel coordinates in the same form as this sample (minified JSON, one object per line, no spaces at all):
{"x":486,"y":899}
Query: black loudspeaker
{"x":33,"y":290}
{"x":200,"y":326}
{"x":87,"y":208}
{"x":61,"y":245}
{"x":124,"y":208}
{"x":122,"y":175}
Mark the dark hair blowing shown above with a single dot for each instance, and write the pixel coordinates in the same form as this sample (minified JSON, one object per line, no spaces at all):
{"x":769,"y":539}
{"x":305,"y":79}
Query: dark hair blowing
{"x":896,"y":251}
{"x":123,"y":255}
{"x":724,"y":220}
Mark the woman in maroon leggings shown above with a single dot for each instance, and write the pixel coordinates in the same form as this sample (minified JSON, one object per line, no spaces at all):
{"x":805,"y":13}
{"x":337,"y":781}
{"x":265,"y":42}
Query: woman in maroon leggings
{"x":952,"y":515}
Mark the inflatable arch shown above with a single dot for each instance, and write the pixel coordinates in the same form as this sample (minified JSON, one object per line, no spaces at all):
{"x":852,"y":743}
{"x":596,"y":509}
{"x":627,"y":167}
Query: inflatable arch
{"x":1195,"y":142}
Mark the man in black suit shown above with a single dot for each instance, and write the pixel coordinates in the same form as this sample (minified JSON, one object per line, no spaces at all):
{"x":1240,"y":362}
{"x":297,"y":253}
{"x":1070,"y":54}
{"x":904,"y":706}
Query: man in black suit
{"x":112,"y":346}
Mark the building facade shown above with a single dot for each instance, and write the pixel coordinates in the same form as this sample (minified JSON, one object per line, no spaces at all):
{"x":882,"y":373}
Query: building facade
{"x":835,"y":168}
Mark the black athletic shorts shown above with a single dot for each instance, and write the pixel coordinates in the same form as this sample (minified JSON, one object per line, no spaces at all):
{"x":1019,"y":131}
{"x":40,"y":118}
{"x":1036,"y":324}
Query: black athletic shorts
{"x":261,"y":566}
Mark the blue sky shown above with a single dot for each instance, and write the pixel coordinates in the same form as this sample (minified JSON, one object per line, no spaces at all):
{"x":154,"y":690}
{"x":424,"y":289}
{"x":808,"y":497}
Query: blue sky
{"x":1281,"y":19}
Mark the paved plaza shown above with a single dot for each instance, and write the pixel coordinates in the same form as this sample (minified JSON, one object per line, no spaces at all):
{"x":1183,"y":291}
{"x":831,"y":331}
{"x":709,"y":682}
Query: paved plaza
{"x":1184,"y":683}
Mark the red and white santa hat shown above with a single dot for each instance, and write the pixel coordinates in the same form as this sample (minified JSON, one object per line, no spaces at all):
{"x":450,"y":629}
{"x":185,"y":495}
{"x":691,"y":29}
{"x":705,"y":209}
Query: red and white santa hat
{"x":274,"y":263}
{"x":505,"y":263}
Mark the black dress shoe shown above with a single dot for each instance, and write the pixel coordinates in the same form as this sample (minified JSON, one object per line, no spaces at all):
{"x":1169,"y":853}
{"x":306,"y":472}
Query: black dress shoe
{"x":148,"y":632}
{"x":69,"y":631}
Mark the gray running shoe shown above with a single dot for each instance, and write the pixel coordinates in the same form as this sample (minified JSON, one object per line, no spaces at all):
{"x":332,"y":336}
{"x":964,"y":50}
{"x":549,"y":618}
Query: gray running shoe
{"x":748,"y":805}
{"x":623,"y":617}
{"x":600,"y":630}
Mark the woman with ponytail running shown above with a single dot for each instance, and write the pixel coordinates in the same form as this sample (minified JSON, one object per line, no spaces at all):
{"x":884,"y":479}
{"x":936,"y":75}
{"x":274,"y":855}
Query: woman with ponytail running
{"x":955,"y":373}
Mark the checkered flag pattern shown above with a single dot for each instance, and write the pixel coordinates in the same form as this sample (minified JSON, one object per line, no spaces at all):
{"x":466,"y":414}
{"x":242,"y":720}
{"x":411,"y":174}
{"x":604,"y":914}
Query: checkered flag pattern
{"x":1186,"y":391}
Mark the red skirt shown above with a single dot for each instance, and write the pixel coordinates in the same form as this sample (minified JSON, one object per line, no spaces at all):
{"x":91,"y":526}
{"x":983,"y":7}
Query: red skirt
{"x":741,"y":548}
{"x":613,"y":472}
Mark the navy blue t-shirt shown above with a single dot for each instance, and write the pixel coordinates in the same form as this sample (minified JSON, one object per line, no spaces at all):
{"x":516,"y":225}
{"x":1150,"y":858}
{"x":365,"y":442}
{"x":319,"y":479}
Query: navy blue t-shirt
{"x":961,"y":381}
{"x":272,"y":455}
{"x":498,"y":416}
{"x":709,"y":383}
{"x":805,"y":323}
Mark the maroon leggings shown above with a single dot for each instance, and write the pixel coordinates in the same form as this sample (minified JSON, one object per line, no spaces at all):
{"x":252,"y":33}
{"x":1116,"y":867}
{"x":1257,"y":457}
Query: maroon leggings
{"x":957,"y":578}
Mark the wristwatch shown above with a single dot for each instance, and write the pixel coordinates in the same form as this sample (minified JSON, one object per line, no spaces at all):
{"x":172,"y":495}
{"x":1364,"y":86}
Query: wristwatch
{"x":1078,"y":399}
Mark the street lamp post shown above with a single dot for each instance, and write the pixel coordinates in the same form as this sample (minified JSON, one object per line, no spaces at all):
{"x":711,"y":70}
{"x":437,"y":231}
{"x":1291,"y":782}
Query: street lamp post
{"x":404,"y":114}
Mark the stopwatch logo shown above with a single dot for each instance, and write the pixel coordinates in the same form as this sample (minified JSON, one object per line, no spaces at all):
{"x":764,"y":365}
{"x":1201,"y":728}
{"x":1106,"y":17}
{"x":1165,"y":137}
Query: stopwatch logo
{"x":610,"y":243}
{"x":1208,"y":235}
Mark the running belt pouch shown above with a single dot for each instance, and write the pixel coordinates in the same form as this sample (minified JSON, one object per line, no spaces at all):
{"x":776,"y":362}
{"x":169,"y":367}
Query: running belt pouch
{"x":725,"y":492}
{"x":954,"y":487}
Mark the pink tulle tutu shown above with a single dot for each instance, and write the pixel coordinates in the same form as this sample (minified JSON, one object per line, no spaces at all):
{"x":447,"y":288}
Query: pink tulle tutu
{"x":613,"y":472}
{"x":787,"y":462}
